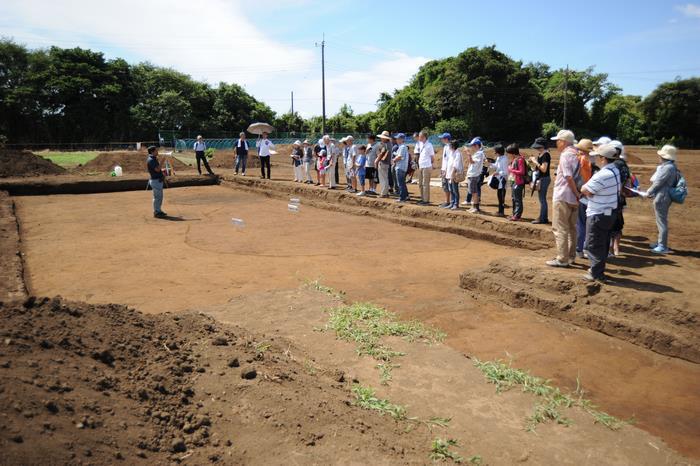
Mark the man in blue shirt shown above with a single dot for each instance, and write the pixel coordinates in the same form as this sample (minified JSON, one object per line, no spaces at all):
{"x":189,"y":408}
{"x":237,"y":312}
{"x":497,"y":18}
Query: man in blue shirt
{"x":156,"y":181}
{"x":400,"y":162}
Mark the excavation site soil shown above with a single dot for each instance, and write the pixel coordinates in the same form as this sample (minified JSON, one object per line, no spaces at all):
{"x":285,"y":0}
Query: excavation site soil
{"x":212,"y":290}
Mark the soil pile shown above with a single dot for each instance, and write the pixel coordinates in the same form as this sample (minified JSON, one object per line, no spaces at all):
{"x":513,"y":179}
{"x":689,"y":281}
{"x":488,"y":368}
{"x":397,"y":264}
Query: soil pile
{"x":26,"y":163}
{"x":130,"y":161}
{"x":99,"y":384}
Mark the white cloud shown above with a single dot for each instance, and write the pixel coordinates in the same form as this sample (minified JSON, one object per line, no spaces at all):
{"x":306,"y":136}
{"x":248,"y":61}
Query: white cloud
{"x":690,"y":10}
{"x":212,"y":40}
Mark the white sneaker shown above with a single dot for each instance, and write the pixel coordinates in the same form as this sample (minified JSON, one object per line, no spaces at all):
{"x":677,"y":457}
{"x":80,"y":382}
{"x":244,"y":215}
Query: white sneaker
{"x":361,"y":193}
{"x":466,"y":203}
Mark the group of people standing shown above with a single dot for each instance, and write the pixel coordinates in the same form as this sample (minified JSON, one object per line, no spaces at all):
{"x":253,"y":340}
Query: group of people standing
{"x":590,"y":189}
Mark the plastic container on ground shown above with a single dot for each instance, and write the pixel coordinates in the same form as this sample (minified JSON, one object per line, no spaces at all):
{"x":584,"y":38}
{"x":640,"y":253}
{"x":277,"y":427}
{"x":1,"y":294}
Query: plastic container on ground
{"x":293,"y":208}
{"x":238,"y":223}
{"x":295,"y":201}
{"x":118,"y":170}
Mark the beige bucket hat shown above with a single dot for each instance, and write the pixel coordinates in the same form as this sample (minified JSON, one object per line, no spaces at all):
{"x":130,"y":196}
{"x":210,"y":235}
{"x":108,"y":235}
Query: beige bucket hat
{"x":668,"y":152}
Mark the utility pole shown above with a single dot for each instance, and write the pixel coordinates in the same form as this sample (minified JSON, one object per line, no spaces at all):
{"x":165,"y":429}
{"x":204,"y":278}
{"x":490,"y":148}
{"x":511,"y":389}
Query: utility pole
{"x":292,"y":102}
{"x":323,"y":82}
{"x":566,"y":93}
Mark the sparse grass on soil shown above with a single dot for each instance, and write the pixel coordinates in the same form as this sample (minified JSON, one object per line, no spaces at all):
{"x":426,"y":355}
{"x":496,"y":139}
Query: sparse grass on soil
{"x":440,"y":451}
{"x":69,"y":159}
{"x":365,"y":398}
{"x":367,"y":325}
{"x":505,"y":377}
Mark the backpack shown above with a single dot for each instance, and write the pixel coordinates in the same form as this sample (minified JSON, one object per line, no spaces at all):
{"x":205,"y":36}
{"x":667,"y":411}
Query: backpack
{"x":679,"y":191}
{"x":578,"y":179}
{"x":528,"y":174}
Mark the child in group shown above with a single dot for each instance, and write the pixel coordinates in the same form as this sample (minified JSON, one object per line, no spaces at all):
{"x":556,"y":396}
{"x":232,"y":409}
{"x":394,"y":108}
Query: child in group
{"x":360,"y":169}
{"x":322,"y":165}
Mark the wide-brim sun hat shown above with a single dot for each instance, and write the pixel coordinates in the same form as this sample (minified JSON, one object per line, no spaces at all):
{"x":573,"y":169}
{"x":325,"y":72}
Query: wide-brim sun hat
{"x":565,"y":135}
{"x":584,"y":145}
{"x":297,"y":143}
{"x":608,"y":151}
{"x":668,"y":152}
{"x":602,"y":140}
{"x":384,"y":135}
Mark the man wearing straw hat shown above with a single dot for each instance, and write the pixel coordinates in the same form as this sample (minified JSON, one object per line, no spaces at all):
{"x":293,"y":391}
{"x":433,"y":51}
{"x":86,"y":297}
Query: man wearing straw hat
{"x":384,"y":162}
{"x":664,"y":178}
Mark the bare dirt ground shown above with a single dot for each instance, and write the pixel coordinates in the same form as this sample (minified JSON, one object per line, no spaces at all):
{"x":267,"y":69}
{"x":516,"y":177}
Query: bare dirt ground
{"x":81,"y":247}
{"x":204,"y":260}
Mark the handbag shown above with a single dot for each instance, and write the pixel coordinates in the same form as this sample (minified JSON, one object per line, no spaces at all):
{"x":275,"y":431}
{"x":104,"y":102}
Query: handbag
{"x":458,"y":176}
{"x":494,"y":182}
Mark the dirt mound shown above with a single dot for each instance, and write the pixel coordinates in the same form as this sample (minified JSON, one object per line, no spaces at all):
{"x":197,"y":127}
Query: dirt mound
{"x":103,"y":383}
{"x":130,"y":161}
{"x":640,"y":318}
{"x":26,"y":163}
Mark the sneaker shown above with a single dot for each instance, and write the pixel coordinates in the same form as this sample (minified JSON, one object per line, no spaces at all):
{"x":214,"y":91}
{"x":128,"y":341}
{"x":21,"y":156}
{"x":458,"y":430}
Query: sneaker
{"x":579,"y":254}
{"x":473,"y":211}
{"x":588,"y":277}
{"x":454,"y":207}
{"x":653,"y":245}
{"x":160,"y":215}
{"x":514,"y":219}
{"x":500,"y":214}
{"x":465,"y":203}
{"x":235,"y":173}
{"x":660,"y":249}
{"x":445,"y":205}
{"x":361,"y":193}
{"x":537,"y":222}
{"x":572,"y":260}
{"x":243,"y":174}
{"x":557,"y":263}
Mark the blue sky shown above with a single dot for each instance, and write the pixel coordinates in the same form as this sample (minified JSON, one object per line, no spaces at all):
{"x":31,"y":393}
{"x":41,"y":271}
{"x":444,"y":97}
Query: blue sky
{"x":370,"y":46}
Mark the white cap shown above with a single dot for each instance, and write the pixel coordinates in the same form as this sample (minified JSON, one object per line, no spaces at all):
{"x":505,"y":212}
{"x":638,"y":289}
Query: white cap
{"x":565,"y":135}
{"x":602,"y":140}
{"x":609,"y":151}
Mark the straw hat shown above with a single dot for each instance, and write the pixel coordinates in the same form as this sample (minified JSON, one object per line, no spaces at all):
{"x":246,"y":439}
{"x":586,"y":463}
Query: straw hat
{"x":668,"y":152}
{"x":384,"y":135}
{"x":585,"y":145}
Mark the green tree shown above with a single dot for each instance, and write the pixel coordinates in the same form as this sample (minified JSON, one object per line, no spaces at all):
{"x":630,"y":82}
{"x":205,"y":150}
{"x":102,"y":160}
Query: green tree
{"x":289,"y":123}
{"x":623,"y":118}
{"x":457,"y":127}
{"x":343,"y":121}
{"x":672,"y":112}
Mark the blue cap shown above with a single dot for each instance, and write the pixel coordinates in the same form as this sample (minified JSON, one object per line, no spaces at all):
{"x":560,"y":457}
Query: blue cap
{"x":400,"y":136}
{"x":445,"y":136}
{"x":475,"y":141}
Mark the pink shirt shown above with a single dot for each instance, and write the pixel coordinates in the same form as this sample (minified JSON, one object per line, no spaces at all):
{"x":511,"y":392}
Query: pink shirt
{"x":567,"y":167}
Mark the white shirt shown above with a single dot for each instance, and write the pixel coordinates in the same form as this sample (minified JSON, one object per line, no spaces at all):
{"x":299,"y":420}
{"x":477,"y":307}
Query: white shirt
{"x":349,"y":155}
{"x":501,"y":166}
{"x":427,"y":155}
{"x":454,"y":162}
{"x":417,"y":147}
{"x":264,"y":147}
{"x":476,"y":164}
{"x":605,"y":187}
{"x":199,"y":146}
{"x":446,"y":153}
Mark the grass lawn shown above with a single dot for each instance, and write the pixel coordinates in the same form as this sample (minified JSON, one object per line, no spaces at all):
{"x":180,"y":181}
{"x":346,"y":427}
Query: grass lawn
{"x":69,"y":159}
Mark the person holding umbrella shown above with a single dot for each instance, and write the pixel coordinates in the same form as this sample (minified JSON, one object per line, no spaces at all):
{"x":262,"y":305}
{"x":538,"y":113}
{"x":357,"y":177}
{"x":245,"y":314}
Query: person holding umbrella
{"x":265,"y":147}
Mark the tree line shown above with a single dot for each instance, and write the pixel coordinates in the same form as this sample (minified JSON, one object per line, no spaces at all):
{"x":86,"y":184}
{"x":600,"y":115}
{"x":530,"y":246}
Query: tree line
{"x":76,"y":95}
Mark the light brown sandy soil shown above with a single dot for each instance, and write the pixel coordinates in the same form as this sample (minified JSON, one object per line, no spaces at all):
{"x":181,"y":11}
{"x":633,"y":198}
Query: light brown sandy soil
{"x":203,"y":261}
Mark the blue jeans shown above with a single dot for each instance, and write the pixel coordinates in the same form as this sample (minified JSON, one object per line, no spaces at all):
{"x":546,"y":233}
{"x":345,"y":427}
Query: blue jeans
{"x":157,"y":187}
{"x":454,"y":193}
{"x":241,"y":161}
{"x":581,"y":227}
{"x":401,"y":184}
{"x":544,"y":208}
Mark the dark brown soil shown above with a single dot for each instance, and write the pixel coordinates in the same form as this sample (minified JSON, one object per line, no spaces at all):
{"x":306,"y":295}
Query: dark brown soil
{"x":106,"y":384}
{"x":130,"y":161}
{"x":26,"y":163}
{"x":11,"y":266}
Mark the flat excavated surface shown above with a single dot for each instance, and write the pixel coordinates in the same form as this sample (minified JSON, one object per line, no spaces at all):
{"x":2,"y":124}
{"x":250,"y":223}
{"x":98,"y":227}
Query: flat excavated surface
{"x":107,"y":248}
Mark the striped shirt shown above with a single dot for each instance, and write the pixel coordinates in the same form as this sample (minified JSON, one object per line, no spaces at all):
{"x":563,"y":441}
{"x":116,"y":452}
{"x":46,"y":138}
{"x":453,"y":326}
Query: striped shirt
{"x":605,"y":187}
